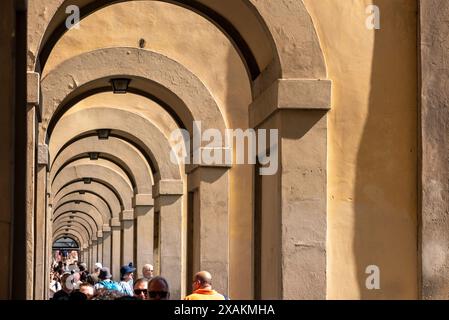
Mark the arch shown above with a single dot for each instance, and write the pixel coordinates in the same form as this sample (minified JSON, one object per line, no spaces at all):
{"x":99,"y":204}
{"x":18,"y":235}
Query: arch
{"x":81,"y":217}
{"x":107,"y":176}
{"x":130,"y":158}
{"x":150,"y":72}
{"x":84,"y":208}
{"x":71,"y":237}
{"x":143,"y":132}
{"x":76,"y":232}
{"x":95,"y":201}
{"x":65,"y":222}
{"x":76,"y":226}
{"x":95,"y":188}
{"x":246,"y":32}
{"x":60,"y":234}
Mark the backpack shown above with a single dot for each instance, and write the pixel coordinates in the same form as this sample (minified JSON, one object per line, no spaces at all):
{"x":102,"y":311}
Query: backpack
{"x":111,"y":285}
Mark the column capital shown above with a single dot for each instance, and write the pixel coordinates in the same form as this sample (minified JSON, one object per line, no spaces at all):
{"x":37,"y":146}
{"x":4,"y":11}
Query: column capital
{"x":305,"y":94}
{"x":33,"y":88}
{"x":99,"y":234}
{"x":106,"y":228}
{"x":143,"y":200}
{"x":168,"y":187}
{"x":201,"y":174}
{"x":42,"y":155}
{"x":127,"y":215}
{"x":115,"y":222}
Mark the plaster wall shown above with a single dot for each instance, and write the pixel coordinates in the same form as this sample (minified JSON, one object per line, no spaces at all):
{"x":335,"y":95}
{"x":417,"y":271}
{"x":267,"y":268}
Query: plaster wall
{"x":372,"y":146}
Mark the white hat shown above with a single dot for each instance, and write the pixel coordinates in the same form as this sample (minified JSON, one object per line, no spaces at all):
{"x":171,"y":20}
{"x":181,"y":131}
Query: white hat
{"x":98,"y":265}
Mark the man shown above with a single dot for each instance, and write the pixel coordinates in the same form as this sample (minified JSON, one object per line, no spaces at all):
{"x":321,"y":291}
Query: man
{"x":202,"y":288}
{"x":126,"y":277}
{"x":83,"y":272}
{"x":147,"y":271}
{"x":93,"y":278}
{"x":158,"y":289}
{"x":141,"y":289}
{"x":88,"y":290}
{"x":67,"y":288}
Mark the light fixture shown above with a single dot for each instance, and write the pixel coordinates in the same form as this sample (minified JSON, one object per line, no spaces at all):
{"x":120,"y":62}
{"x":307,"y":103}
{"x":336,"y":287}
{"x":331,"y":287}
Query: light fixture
{"x":77,"y":202}
{"x":103,"y":134}
{"x":71,"y":217}
{"x":82,"y":192}
{"x":94,"y":155}
{"x":87,"y":180}
{"x":120,"y":85}
{"x":66,"y":230}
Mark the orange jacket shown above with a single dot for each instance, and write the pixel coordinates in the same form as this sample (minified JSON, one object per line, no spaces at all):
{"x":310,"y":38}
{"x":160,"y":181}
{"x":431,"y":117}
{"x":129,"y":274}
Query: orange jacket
{"x":205,"y":294}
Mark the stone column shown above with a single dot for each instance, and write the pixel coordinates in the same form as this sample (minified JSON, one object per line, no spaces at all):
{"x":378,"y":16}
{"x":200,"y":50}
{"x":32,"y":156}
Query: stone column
{"x":87,"y":257}
{"x":30,"y":200}
{"x":100,"y":246}
{"x":168,"y":197}
{"x":95,"y":250}
{"x":433,"y":177}
{"x":91,"y":256}
{"x":41,"y":205}
{"x":127,"y":218}
{"x":116,"y":248}
{"x":291,"y":214}
{"x":144,"y":223}
{"x":106,"y":246}
{"x":48,"y":240}
{"x":210,"y":222}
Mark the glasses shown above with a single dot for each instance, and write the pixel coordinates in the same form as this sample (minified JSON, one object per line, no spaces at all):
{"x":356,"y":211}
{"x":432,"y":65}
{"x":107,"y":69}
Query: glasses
{"x":140,"y":291}
{"x":154,"y":294}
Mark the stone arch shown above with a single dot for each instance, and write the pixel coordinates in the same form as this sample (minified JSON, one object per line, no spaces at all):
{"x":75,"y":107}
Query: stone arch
{"x":124,"y":122}
{"x":150,"y":72}
{"x":95,"y":201}
{"x":84,"y":208}
{"x":63,"y":221}
{"x":76,"y":226}
{"x":97,"y":172}
{"x":95,"y":188}
{"x":71,"y":237}
{"x":130,"y":158}
{"x":72,"y":232}
{"x":246,"y":30}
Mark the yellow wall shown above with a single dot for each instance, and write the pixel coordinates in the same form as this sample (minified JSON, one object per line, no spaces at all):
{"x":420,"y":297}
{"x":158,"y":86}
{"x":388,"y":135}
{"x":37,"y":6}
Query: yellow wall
{"x":372,"y":146}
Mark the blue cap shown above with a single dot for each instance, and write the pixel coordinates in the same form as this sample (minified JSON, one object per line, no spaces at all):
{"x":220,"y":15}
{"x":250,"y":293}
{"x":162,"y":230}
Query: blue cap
{"x":126,"y":269}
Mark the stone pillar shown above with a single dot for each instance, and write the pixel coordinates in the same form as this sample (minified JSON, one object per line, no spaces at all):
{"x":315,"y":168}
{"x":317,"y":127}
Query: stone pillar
{"x":106,"y":246}
{"x":87,"y":257}
{"x":116,"y":248}
{"x":127,"y":218}
{"x":48,"y":240}
{"x":291,"y":205}
{"x":434,"y":153}
{"x":168,"y":197}
{"x":91,"y":256}
{"x":144,"y":224}
{"x":94,"y":250}
{"x":30,"y":201}
{"x":210,"y":223}
{"x":41,"y":205}
{"x":100,"y":246}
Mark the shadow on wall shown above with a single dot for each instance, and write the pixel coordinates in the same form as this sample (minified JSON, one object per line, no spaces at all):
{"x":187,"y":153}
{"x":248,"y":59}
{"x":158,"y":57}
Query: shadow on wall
{"x":386,"y":173}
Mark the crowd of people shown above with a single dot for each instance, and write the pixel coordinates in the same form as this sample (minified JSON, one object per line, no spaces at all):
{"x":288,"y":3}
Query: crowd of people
{"x":75,"y":282}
